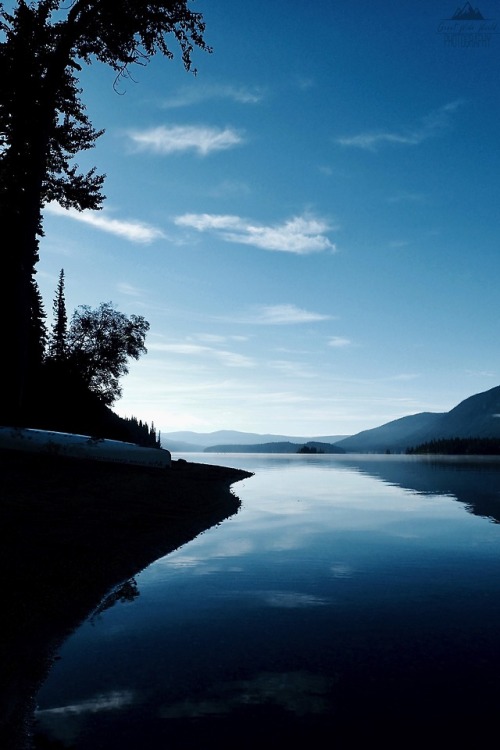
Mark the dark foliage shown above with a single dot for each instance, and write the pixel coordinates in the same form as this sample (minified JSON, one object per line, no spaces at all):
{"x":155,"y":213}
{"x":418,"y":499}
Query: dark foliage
{"x":99,"y":344}
{"x":75,"y":371}
{"x":459,"y":447}
{"x":65,"y":404}
{"x":38,"y":329}
{"x":58,"y":342}
{"x":43,"y":126}
{"x":314,"y":446}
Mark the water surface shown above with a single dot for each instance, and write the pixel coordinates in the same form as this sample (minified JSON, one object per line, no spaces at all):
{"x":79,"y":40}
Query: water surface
{"x":349,"y":595}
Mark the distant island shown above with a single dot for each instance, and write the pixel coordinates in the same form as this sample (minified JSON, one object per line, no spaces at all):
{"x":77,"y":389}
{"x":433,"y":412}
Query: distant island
{"x":286,"y":447}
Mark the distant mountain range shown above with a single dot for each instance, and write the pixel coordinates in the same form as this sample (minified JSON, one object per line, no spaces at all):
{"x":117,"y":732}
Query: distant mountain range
{"x":185,"y":441}
{"x":476,"y":417}
{"x":312,"y":446}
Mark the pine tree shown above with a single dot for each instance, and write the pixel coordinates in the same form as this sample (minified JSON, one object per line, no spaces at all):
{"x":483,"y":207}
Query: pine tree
{"x":59,"y":336}
{"x":38,"y":328}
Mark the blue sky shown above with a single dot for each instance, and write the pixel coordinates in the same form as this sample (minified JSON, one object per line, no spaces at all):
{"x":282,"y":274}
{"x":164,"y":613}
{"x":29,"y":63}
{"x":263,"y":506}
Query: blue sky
{"x":310,"y":225}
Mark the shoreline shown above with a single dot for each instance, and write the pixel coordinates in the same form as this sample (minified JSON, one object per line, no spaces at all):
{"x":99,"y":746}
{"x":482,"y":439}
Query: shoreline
{"x":71,"y":532}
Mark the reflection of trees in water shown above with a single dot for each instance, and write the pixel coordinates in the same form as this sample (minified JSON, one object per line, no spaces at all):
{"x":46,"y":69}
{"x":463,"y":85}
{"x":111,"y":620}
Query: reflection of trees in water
{"x":476,"y":484}
{"x":70,"y":531}
{"x":127,"y":592}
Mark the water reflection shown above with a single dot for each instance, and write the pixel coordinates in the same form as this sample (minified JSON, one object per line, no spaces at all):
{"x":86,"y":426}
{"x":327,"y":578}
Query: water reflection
{"x":69,"y":533}
{"x":475,"y":483}
{"x":299,"y":693}
{"x":347,"y":595}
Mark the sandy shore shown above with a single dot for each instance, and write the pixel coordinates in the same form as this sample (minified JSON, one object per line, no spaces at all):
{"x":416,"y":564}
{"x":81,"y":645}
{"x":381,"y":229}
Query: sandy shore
{"x":72,"y":530}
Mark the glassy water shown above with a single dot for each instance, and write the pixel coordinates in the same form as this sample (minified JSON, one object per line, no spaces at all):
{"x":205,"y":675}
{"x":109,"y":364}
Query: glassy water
{"x":349,"y":595}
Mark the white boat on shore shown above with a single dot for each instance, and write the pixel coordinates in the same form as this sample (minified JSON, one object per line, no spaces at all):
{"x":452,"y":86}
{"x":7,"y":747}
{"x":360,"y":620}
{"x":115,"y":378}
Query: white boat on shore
{"x":82,"y":446}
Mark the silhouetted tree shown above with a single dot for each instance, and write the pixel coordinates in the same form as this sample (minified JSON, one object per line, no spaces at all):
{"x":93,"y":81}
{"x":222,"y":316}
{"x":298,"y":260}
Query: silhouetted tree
{"x":59,"y":335}
{"x":38,"y":328}
{"x":99,"y":344}
{"x":459,"y":447}
{"x":139,"y":432}
{"x":43,"y":126}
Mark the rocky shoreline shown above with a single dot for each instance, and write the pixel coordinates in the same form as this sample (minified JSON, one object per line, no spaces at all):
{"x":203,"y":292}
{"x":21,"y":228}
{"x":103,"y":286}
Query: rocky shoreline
{"x":71,"y":531}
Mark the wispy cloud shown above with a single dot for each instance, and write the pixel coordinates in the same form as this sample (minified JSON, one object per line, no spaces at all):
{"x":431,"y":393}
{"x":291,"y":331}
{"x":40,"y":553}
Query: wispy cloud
{"x":214,"y":338}
{"x":285,"y":315}
{"x":481,"y":373}
{"x":188,"y":96}
{"x":228,"y":358}
{"x":300,"y":235}
{"x":202,"y":139}
{"x":134,"y":231}
{"x":129,"y":289}
{"x":293,"y":369}
{"x":404,"y":376}
{"x":429,"y":126}
{"x":339,"y":342}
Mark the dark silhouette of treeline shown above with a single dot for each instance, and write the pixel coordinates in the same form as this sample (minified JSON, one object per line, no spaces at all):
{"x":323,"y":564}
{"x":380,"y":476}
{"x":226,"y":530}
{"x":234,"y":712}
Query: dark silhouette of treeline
{"x":69,"y":406}
{"x":276,"y":447}
{"x":75,"y":369}
{"x":314,"y":447}
{"x":307,"y":449}
{"x":459,"y":447}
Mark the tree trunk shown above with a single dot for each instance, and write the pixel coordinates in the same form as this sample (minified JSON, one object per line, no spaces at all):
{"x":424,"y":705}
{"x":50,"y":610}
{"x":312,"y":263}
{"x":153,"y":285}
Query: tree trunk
{"x":19,"y":257}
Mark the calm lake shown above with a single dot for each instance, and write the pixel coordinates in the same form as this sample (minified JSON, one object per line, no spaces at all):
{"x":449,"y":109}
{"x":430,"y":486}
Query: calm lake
{"x":350,"y":596}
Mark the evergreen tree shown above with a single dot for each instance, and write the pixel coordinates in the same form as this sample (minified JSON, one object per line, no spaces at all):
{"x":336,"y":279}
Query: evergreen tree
{"x":59,"y":335}
{"x":43,"y":126}
{"x":38,"y":328}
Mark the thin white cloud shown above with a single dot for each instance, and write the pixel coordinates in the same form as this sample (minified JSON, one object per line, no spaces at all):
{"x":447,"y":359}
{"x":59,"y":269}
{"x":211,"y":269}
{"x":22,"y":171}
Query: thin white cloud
{"x":285,"y":315}
{"x":404,"y":376}
{"x":196,"y":94}
{"x":129,"y":289}
{"x":175,"y":139}
{"x":134,"y":231}
{"x":293,"y":369}
{"x":214,"y":338}
{"x":228,"y":358}
{"x":429,"y":126}
{"x":300,"y":235}
{"x":233,"y":359}
{"x":482,"y":373}
{"x":370,"y":141}
{"x":339,"y":342}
